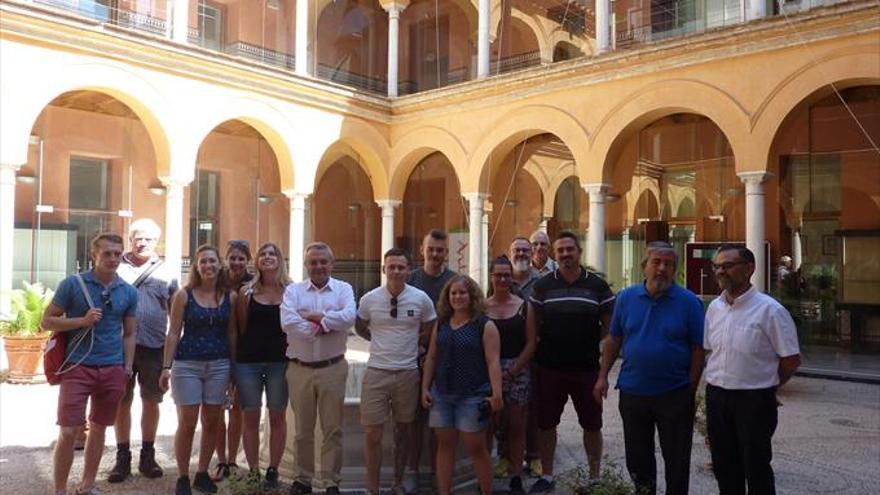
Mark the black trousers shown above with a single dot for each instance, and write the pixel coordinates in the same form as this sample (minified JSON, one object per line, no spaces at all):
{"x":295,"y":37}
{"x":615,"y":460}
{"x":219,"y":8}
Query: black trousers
{"x":672,"y":414}
{"x":741,"y":424}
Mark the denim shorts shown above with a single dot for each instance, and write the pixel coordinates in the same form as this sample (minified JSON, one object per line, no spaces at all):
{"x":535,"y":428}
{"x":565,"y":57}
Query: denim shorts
{"x":459,"y":412}
{"x":252,"y":378}
{"x":199,"y":382}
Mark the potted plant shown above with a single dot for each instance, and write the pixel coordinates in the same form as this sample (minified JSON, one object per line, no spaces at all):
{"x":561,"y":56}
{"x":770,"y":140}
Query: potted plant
{"x":23,"y":338}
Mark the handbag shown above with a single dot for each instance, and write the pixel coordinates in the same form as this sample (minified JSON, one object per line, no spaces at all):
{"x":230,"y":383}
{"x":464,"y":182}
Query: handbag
{"x":56,"y":356}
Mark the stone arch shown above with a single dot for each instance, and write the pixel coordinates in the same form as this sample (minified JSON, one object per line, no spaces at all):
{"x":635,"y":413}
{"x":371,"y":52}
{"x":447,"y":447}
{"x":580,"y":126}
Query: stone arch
{"x":655,"y":101}
{"x":266,"y":119}
{"x":587,"y":46}
{"x":22,"y":108}
{"x":366,"y":156}
{"x":411,"y":148}
{"x":855,"y":66}
{"x":517,"y":126}
{"x":529,"y":21}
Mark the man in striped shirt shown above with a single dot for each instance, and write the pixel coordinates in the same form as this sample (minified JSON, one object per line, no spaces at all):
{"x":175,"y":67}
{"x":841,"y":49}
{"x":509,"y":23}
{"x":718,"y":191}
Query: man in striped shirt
{"x":571,"y":311}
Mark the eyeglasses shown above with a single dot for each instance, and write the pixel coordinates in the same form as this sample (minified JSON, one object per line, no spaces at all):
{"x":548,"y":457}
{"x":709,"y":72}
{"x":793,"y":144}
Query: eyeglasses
{"x":394,"y":307}
{"x":726,"y":265}
{"x":106,"y":300}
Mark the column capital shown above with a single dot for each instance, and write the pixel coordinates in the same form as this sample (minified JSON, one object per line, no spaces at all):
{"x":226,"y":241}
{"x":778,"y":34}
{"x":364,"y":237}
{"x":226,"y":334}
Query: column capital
{"x":475,"y":198}
{"x":11,"y":166}
{"x":169,"y":181}
{"x":388,"y":203}
{"x":594,"y":188}
{"x":754,"y":177}
{"x":394,"y":7}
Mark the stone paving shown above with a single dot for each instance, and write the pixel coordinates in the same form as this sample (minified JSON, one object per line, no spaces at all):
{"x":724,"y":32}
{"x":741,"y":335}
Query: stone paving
{"x":828,"y":441}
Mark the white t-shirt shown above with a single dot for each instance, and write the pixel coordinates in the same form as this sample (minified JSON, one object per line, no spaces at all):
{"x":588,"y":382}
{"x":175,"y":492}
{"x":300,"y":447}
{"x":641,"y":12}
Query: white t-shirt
{"x":746,"y":340}
{"x":395,"y":341}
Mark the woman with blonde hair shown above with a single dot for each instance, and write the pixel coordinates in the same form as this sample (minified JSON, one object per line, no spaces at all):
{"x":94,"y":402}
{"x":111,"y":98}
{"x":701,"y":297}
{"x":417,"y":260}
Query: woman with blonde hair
{"x":196,"y":363}
{"x":260,"y":361}
{"x":461,"y":383}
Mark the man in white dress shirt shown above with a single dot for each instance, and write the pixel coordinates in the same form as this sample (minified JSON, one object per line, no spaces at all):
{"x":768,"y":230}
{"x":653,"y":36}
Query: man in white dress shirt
{"x":753,"y":349}
{"x":316,"y":315}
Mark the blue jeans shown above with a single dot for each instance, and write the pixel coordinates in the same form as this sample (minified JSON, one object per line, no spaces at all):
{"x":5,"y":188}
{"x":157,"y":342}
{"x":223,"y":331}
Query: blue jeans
{"x":199,"y":382}
{"x":252,"y":378}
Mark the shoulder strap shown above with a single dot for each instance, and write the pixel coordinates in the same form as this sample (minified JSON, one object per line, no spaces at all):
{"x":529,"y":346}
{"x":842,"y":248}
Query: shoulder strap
{"x":146,"y":274}
{"x":85,"y":291}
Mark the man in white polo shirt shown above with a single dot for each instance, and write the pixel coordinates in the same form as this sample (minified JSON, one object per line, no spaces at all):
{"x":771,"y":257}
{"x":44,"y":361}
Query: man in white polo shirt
{"x":753,"y":349}
{"x":392,"y":318}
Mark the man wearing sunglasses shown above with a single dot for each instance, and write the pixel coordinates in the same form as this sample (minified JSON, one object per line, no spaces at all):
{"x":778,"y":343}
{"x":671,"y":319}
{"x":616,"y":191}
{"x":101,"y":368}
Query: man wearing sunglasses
{"x":316,"y":315}
{"x":103,"y":360}
{"x":753,"y":349}
{"x":392,"y":318}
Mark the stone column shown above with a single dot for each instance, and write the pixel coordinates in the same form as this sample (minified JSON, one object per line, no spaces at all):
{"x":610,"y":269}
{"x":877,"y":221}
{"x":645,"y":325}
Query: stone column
{"x":475,"y":228}
{"x":180,"y":21}
{"x":757,"y":9}
{"x":596,"y":230}
{"x":301,"y":41}
{"x":394,"y":10}
{"x":754,"y":182}
{"x":797,"y":252}
{"x":543,"y":225}
{"x":388,"y":206}
{"x":174,"y":228}
{"x":7,"y":232}
{"x":602,"y":26}
{"x":484,"y":258}
{"x":626,"y":248}
{"x":483,"y":39}
{"x":296,"y":248}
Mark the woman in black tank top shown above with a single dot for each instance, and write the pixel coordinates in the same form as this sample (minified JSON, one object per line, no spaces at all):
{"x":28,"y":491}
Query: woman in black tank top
{"x":508,"y":311}
{"x":260,"y":362}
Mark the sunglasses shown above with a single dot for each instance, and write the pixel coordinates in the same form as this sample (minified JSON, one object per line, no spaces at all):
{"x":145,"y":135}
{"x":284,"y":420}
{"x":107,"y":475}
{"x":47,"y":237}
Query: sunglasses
{"x":394,"y":307}
{"x":106,"y":300}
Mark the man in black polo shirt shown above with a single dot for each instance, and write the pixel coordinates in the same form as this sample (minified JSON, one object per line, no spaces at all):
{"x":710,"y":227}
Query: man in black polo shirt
{"x":571,"y":311}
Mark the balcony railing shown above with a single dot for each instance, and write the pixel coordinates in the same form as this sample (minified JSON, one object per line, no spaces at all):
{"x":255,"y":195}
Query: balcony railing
{"x":342,"y":76}
{"x":653,"y":21}
{"x":153,"y":20}
{"x":515,"y":62}
{"x":260,"y":54}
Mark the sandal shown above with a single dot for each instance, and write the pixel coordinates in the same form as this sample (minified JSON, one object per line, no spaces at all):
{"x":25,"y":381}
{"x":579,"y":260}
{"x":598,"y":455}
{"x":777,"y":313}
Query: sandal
{"x":221,"y":471}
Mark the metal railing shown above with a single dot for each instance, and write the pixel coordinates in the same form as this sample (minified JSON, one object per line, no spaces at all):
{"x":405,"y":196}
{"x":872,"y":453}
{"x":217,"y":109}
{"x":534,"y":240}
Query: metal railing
{"x":515,"y":62}
{"x":260,"y":54}
{"x":153,"y":20}
{"x":342,"y":76}
{"x":637,"y":22}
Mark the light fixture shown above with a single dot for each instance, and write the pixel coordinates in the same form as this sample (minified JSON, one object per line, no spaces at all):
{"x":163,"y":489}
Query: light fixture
{"x":25,"y":177}
{"x":612,"y":198}
{"x":265,"y":198}
{"x":354,"y":207}
{"x":158,"y":190}
{"x":511,"y":203}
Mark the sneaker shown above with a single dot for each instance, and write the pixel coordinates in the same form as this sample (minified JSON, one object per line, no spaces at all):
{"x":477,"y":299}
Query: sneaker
{"x":203,"y":483}
{"x":410,"y":483}
{"x":298,"y":488}
{"x":91,"y":491}
{"x":271,"y":482}
{"x":502,"y":469}
{"x":516,"y":486}
{"x":147,"y":464}
{"x":535,"y":468}
{"x":122,"y":469}
{"x":221,"y":471}
{"x":182,"y":486}
{"x":543,"y":486}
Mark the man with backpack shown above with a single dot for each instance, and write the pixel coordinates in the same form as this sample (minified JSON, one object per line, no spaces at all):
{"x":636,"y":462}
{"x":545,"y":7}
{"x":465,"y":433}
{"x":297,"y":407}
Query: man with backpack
{"x":96,"y":310}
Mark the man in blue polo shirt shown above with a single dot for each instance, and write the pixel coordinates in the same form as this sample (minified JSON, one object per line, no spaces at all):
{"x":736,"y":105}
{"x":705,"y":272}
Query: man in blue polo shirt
{"x":103,"y":360}
{"x":659,"y":325}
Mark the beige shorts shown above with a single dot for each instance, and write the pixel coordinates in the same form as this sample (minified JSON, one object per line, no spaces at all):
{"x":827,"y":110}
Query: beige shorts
{"x":384,"y":389}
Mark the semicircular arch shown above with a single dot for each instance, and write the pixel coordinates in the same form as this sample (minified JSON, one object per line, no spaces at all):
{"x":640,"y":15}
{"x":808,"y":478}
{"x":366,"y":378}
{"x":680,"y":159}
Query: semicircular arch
{"x":417,"y":144}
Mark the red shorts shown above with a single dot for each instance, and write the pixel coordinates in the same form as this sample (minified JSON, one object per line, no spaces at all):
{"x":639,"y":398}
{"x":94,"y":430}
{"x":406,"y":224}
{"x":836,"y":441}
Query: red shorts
{"x":553,"y":389}
{"x":105,"y":386}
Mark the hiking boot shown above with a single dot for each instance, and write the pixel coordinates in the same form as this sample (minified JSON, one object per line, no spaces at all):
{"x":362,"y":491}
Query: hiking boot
{"x":516,"y":486}
{"x":147,"y":464}
{"x":203,"y":483}
{"x":271,"y":482}
{"x":122,"y":469}
{"x":182,"y":486}
{"x":543,"y":486}
{"x":299,"y":488}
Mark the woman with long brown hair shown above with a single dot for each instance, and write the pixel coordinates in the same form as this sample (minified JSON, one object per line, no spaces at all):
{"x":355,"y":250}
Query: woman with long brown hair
{"x":260,"y":361}
{"x":196,"y":363}
{"x":461,"y":383}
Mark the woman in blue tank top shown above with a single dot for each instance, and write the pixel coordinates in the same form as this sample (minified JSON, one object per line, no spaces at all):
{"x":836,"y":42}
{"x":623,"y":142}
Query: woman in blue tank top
{"x":260,"y":361}
{"x":197,"y":364}
{"x":461,"y":383}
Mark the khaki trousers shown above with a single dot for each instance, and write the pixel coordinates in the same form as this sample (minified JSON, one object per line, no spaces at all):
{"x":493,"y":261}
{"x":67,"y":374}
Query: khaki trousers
{"x":317,"y":392}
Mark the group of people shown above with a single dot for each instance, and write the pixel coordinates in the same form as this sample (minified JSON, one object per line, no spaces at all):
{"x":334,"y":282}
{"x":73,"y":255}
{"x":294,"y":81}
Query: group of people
{"x":443,"y":356}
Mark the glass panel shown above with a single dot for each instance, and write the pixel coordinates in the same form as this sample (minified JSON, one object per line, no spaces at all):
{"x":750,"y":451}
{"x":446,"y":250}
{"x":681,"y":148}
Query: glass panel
{"x":210,"y":25}
{"x":203,"y":210}
{"x":352,"y":44}
{"x":88,"y":184}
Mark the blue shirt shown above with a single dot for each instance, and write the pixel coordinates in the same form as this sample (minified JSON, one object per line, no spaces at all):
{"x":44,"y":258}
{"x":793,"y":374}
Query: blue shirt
{"x":205,"y":331}
{"x":117,"y":301}
{"x":658,"y":335}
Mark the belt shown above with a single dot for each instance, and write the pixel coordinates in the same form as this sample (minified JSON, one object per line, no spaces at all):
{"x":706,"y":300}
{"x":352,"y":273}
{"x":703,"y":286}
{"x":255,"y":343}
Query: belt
{"x":319,"y":364}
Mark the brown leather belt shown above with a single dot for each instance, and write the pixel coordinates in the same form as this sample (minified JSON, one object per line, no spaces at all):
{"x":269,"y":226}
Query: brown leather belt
{"x":319,"y":364}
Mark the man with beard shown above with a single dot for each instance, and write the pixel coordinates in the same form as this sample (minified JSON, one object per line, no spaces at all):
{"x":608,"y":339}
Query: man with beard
{"x":659,"y":326}
{"x":753,"y":349}
{"x":570,"y":310}
{"x":524,"y":276}
{"x":541,"y":261}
